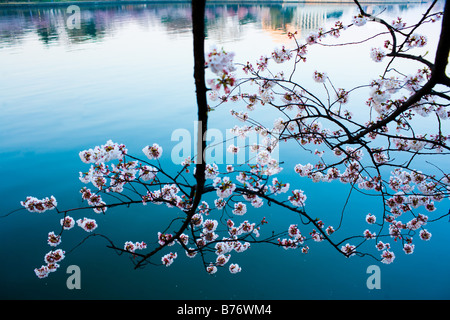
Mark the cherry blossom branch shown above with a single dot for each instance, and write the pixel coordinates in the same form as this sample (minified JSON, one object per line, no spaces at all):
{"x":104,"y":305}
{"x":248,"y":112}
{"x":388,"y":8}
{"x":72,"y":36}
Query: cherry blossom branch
{"x":437,"y":74}
{"x":361,"y":155}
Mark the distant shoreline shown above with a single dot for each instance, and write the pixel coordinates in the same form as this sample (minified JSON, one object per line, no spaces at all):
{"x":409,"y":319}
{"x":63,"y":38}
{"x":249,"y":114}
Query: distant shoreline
{"x":18,"y":4}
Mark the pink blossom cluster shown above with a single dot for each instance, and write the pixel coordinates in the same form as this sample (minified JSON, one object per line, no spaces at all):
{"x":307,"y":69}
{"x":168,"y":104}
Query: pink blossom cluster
{"x":342,"y":96}
{"x":211,"y":171}
{"x":221,"y":64}
{"x":387,"y":255}
{"x":219,"y":60}
{"x":167,"y":194}
{"x":94,"y":200}
{"x":317,"y":36}
{"x":319,"y":77}
{"x":377,"y":54}
{"x":295,"y":240}
{"x":168,"y":259}
{"x":33,"y":204}
{"x":234,"y":268}
{"x":398,"y":23}
{"x":222,"y":255}
{"x":278,"y":55}
{"x":67,"y":222}
{"x":349,"y":250}
{"x":224,"y":187}
{"x":53,"y":239}
{"x":51,"y":259}
{"x":382,"y":97}
{"x":266,"y":164}
{"x":395,"y":232}
{"x":104,"y":153}
{"x":165,"y":239}
{"x":153,"y":152}
{"x":416,"y":40}
{"x":87,"y":224}
{"x":208,"y":233}
{"x":113,"y":177}
{"x":133,"y":246}
{"x":298,"y":198}
{"x":359,"y":20}
{"x":278,"y":187}
{"x":281,"y":55}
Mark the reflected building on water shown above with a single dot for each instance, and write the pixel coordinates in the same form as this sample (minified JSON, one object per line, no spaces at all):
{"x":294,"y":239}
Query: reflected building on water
{"x":223,"y":20}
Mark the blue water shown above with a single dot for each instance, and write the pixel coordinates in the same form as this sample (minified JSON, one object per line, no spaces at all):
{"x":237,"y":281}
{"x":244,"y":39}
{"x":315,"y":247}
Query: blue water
{"x":127,"y":76}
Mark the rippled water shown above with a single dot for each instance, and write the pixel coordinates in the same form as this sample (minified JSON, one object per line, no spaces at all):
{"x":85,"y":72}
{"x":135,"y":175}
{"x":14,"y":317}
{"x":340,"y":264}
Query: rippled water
{"x":126,"y":75}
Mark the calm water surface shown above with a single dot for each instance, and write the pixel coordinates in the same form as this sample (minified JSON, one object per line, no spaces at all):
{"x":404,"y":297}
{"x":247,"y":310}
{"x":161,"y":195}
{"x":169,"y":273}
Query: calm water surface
{"x":126,"y":75}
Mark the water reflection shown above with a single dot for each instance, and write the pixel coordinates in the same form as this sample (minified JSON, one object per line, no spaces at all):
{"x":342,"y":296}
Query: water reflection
{"x":129,"y":82}
{"x":223,"y":20}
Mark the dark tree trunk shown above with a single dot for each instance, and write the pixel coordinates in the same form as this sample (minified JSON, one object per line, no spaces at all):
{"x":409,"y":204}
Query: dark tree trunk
{"x":198,"y":31}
